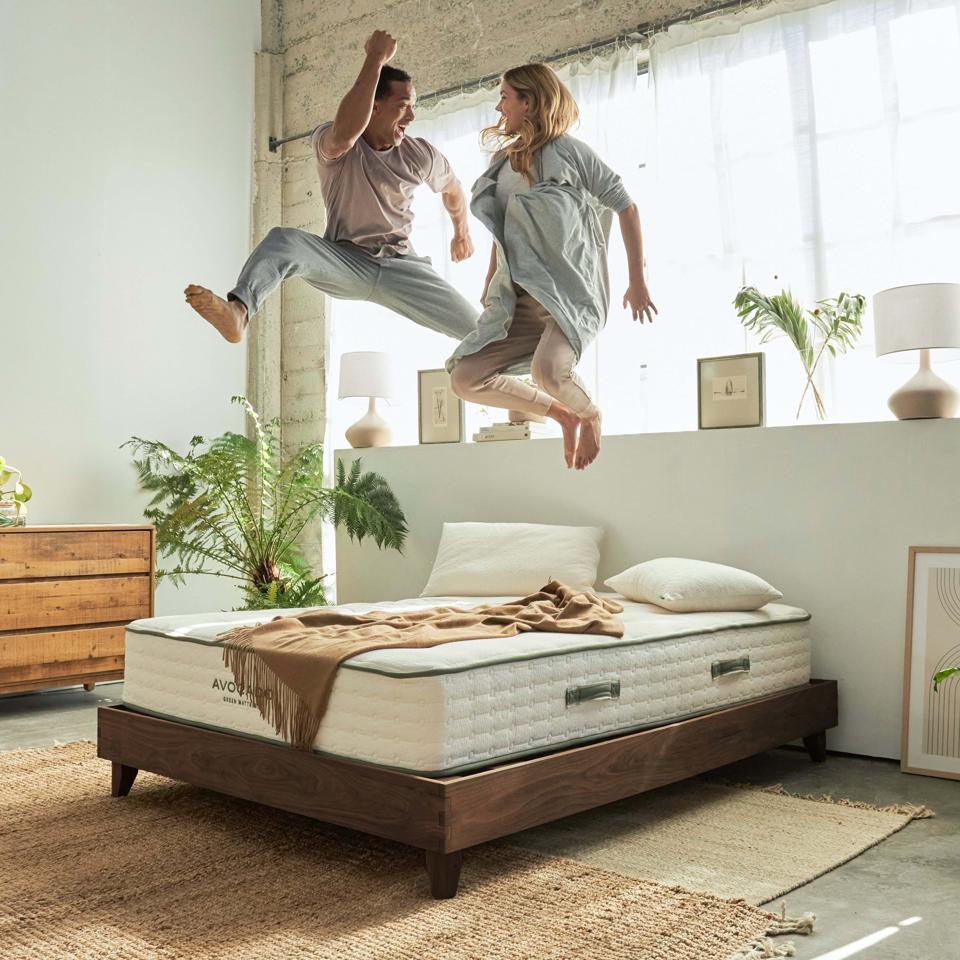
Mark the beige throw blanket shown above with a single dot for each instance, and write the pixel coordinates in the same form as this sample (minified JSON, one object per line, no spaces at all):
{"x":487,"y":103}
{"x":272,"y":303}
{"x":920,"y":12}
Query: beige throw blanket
{"x":287,"y":666}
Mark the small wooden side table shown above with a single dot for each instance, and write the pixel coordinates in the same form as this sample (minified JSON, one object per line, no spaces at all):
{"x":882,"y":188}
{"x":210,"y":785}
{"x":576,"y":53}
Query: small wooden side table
{"x":66,"y":595}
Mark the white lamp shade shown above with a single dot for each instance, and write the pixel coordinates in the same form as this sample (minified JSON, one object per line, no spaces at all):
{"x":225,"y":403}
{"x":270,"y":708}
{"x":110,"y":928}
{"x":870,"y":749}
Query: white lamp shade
{"x":366,"y":373}
{"x":921,"y":316}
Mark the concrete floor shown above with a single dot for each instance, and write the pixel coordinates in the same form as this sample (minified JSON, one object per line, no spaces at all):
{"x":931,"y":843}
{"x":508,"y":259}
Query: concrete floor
{"x":897,"y":901}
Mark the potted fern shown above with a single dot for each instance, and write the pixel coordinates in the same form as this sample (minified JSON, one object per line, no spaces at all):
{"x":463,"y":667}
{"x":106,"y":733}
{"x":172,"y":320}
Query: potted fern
{"x":832,"y":326}
{"x":234,"y":507}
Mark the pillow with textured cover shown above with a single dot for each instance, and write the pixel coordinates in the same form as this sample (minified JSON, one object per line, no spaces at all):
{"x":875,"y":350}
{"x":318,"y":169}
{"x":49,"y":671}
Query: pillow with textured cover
{"x":689,"y":586}
{"x":512,"y":559}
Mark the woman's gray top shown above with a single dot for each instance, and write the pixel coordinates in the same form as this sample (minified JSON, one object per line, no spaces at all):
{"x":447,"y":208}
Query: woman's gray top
{"x":551,"y":240}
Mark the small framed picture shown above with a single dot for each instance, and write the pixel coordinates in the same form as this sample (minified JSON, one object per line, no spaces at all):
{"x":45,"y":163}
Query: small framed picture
{"x":931,"y":690}
{"x":730,"y":391}
{"x":441,"y":410}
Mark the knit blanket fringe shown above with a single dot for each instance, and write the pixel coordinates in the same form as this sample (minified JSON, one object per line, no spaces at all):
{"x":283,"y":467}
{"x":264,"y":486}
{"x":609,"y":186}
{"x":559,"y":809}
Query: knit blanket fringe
{"x":277,"y":703}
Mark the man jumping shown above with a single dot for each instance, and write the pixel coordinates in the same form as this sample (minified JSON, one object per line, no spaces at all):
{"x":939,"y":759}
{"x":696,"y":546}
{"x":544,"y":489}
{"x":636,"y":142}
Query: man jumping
{"x":368,"y":171}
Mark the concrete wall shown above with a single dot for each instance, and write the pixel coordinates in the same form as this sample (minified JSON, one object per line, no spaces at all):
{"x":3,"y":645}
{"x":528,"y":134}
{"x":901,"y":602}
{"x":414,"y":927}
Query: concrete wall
{"x":826,"y":513}
{"x":125,"y":175}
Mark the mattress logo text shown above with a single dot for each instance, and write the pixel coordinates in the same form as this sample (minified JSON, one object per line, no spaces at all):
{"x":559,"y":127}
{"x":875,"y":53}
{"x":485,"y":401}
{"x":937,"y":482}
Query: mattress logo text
{"x":240,"y":695}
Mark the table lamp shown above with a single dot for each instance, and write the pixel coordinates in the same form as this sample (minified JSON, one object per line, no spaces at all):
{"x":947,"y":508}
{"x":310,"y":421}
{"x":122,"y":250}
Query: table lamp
{"x":367,"y":373}
{"x":924,"y":317}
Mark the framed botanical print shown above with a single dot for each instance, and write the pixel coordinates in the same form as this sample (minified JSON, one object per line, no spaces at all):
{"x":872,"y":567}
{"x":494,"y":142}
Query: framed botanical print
{"x":931,"y":688}
{"x":730,"y":391}
{"x":441,"y":410}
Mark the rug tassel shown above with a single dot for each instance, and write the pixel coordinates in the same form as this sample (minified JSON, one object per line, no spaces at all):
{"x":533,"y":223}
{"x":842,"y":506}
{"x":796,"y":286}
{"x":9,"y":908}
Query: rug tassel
{"x":762,"y":947}
{"x":912,"y":810}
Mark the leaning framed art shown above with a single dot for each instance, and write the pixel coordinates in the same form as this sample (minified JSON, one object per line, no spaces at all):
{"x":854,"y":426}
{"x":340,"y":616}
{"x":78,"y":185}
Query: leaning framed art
{"x":931,"y":688}
{"x":730,"y":391}
{"x":441,"y":410}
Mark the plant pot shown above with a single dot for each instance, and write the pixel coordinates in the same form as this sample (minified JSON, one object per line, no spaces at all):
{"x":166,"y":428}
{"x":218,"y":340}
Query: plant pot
{"x":10,"y":515}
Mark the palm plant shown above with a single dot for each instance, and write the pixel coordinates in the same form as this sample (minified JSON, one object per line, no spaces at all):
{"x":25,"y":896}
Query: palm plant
{"x":234,"y":507}
{"x":833,"y":325}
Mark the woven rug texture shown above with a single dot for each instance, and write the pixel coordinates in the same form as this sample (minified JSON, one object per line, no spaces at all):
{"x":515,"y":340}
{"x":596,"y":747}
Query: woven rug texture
{"x":731,"y":841}
{"x":176,"y":872}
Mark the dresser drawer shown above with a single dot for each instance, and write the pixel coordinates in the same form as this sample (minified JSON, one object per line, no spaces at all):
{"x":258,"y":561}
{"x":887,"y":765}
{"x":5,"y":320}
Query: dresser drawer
{"x":51,"y":603}
{"x":60,"y":653}
{"x":38,"y":553}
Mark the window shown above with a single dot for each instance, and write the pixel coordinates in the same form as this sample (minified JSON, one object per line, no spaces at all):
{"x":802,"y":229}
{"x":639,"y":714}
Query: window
{"x":815,"y":150}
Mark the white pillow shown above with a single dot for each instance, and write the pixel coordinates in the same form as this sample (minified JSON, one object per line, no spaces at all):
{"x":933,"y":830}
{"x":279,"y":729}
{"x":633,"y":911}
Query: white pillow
{"x":512,"y":559}
{"x":686,"y":586}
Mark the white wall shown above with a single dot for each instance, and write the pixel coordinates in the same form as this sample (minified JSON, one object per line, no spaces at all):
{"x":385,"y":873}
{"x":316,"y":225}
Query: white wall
{"x":826,"y":513}
{"x":125,"y":174}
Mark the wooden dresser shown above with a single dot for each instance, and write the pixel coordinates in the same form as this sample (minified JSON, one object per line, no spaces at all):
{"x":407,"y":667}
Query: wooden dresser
{"x":66,"y":594}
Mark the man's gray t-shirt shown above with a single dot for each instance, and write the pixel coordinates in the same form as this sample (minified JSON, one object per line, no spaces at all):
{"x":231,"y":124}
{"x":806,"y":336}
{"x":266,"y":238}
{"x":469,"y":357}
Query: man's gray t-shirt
{"x":367,"y":192}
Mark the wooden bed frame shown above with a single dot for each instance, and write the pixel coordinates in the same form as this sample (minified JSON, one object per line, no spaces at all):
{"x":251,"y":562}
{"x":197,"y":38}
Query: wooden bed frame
{"x":446,"y":815}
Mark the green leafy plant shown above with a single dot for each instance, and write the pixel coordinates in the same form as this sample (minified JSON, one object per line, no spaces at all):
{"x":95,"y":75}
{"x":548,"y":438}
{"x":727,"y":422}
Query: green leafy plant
{"x":833,"y":326}
{"x":938,"y":678}
{"x":13,"y":491}
{"x":235,"y":506}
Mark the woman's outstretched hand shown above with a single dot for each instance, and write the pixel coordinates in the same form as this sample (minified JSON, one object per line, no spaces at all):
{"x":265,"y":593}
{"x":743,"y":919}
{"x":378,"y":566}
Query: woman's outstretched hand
{"x":637,"y":298}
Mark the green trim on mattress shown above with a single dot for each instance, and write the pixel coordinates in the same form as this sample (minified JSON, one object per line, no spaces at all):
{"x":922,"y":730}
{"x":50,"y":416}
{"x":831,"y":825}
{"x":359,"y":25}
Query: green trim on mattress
{"x":465,"y":767}
{"x":507,"y":658}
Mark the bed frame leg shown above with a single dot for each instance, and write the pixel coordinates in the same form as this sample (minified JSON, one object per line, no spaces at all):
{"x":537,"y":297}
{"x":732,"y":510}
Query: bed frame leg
{"x":444,"y":872}
{"x":816,"y":745}
{"x":123,"y":777}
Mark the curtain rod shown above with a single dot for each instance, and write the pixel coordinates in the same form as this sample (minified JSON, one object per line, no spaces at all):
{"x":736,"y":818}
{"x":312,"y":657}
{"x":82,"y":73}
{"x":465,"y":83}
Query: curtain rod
{"x":645,"y":30}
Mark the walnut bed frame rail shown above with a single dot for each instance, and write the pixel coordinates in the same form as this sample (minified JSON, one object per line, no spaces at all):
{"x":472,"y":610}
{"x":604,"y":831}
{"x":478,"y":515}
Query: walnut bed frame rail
{"x":445,"y":815}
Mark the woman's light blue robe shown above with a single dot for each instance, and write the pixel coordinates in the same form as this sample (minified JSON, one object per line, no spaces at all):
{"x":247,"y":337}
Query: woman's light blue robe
{"x":552,"y":241}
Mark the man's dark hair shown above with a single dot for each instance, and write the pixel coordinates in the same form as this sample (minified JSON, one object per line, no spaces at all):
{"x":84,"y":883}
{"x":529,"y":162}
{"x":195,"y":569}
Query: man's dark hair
{"x":387,"y":75}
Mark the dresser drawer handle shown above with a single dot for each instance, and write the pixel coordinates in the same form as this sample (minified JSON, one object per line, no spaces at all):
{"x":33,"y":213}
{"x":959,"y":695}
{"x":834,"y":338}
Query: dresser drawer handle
{"x":605,"y":690}
{"x":723,"y":668}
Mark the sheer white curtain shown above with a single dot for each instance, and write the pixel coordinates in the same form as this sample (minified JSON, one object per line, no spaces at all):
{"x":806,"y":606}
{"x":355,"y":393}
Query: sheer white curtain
{"x":817,"y":150}
{"x":605,"y":89}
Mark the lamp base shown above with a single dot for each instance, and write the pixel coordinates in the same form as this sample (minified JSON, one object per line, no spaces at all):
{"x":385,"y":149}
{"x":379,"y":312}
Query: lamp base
{"x":371,"y":430}
{"x":925,"y":396}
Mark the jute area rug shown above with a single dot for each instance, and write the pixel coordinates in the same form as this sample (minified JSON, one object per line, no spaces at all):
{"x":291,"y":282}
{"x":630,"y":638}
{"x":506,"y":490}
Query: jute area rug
{"x":731,"y":841}
{"x":175,"y":872}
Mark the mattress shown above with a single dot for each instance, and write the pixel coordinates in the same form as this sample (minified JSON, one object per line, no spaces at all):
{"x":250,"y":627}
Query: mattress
{"x":460,"y":706}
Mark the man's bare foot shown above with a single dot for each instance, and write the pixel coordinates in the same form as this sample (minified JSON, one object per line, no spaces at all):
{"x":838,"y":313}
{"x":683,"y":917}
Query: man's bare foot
{"x":228,"y":316}
{"x":588,"y":445}
{"x":569,"y":423}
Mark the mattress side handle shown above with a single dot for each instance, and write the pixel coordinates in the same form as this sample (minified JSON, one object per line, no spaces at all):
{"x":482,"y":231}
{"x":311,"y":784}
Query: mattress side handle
{"x":723,"y":668}
{"x":604,"y":690}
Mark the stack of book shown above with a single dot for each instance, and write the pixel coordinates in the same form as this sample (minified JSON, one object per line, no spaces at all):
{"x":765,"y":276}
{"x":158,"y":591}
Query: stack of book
{"x":514,"y":430}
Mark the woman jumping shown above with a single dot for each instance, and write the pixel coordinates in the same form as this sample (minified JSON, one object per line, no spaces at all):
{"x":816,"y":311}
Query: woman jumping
{"x":547,"y":291}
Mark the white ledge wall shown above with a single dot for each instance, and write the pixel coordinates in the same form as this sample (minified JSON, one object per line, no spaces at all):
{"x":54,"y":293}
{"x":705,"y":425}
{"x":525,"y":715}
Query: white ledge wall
{"x":826,"y":513}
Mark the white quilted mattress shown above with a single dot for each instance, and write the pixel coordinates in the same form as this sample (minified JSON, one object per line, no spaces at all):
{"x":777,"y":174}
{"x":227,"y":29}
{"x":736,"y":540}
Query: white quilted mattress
{"x":469,"y":704}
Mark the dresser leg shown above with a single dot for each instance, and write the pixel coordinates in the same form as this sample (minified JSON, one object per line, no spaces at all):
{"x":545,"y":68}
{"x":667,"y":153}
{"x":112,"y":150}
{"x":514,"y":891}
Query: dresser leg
{"x":123,"y":777}
{"x":444,"y":872}
{"x":89,"y":687}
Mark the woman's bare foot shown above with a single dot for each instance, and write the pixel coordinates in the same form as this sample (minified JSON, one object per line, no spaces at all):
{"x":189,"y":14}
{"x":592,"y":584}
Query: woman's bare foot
{"x":228,"y":316}
{"x":588,"y":445}
{"x":569,"y":423}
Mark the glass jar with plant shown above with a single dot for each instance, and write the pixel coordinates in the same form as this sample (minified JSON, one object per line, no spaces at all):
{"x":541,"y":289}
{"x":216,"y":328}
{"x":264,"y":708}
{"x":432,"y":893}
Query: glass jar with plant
{"x":234,"y":507}
{"x":832,"y":326}
{"x":14,"y":494}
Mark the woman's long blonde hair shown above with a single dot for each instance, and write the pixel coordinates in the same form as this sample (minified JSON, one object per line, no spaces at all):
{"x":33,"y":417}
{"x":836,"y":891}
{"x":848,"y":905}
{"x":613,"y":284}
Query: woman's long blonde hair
{"x":553,"y":111}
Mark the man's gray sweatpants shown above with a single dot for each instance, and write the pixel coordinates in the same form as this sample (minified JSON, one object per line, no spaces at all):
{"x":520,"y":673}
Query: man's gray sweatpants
{"x":405,"y":284}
